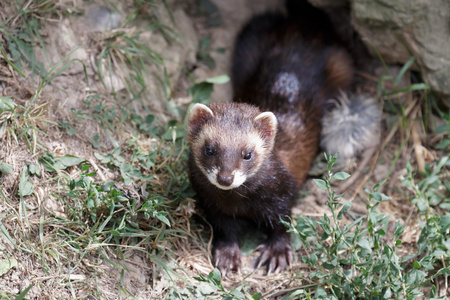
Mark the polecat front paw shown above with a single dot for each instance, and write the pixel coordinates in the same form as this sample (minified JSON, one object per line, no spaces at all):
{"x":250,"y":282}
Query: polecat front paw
{"x":276,"y":254}
{"x":227,"y":258}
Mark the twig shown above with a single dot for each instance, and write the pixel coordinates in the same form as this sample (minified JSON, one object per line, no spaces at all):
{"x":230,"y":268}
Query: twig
{"x":368,"y":154}
{"x":418,"y":148}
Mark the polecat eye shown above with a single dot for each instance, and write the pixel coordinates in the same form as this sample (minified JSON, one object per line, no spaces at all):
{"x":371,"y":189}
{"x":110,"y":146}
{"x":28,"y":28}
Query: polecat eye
{"x":209,"y":151}
{"x":247,"y":156}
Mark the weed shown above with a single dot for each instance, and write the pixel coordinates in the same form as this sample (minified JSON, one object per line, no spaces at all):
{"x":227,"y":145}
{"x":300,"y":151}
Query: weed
{"x":122,"y":51}
{"x":203,"y":54}
{"x":358,"y":260}
{"x":211,"y":287}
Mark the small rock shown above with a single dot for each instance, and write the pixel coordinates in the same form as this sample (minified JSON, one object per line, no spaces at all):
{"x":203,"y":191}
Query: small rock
{"x":102,"y":18}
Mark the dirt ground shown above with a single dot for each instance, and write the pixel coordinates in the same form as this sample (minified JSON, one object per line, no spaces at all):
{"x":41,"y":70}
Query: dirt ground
{"x":66,"y":93}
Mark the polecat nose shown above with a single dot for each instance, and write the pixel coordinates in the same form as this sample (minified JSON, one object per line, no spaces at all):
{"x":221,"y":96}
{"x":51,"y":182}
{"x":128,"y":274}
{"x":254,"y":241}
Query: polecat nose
{"x":225,"y":180}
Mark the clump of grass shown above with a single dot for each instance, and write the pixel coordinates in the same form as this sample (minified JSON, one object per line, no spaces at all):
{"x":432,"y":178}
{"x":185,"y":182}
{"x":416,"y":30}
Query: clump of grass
{"x":358,"y":260}
{"x":122,"y":53}
{"x":21,"y":31}
{"x":26,"y":121}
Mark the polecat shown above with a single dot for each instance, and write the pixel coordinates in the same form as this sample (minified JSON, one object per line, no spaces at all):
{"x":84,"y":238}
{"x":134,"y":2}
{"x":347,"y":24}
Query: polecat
{"x":248,"y":159}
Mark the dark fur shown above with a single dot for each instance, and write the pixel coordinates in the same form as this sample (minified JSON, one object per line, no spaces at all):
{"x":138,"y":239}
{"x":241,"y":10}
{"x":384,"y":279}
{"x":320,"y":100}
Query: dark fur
{"x":272,"y":54}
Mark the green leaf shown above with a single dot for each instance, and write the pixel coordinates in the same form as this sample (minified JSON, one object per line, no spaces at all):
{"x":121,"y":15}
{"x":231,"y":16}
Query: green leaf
{"x":320,"y":293}
{"x":70,"y":160}
{"x":328,"y":266}
{"x":215,"y":276}
{"x":6,"y":104}
{"x":413,"y":87}
{"x":444,"y":223}
{"x":221,"y":79}
{"x":346,"y":207}
{"x":340,"y":176}
{"x":403,"y":70}
{"x":444,"y":144}
{"x":56,"y":163}
{"x":364,"y":243}
{"x":398,"y":230}
{"x":24,"y":293}
{"x":237,"y":294}
{"x":71,"y":131}
{"x":163,"y":219}
{"x":201,"y":92}
{"x":34,"y":169}
{"x":6,"y":168}
{"x":205,"y":288}
{"x":387,"y":294}
{"x":6,"y":265}
{"x":208,"y":61}
{"x":25,"y":184}
{"x":95,"y":141}
{"x":321,"y":184}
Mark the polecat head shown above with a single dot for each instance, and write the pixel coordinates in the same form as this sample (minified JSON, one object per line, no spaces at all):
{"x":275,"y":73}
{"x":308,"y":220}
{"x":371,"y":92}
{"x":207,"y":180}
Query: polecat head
{"x":230,"y":141}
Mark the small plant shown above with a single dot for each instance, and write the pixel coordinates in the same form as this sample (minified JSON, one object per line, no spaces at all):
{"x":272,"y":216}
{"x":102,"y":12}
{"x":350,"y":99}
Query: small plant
{"x":357,"y":260}
{"x":431,"y":197}
{"x":211,"y":287}
{"x":104,"y":203}
{"x":203,"y":54}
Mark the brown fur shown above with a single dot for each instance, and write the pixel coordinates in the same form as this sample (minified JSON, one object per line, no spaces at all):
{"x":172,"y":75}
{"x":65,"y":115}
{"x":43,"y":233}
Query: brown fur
{"x":298,"y":142}
{"x":290,"y":67}
{"x":339,"y":70}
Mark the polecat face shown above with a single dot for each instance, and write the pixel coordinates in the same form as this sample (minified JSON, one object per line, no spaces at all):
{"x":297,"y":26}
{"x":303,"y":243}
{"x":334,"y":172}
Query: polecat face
{"x":230,"y":141}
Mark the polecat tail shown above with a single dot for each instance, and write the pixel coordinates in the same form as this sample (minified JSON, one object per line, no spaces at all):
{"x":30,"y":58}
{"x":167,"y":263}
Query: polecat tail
{"x":352,"y":126}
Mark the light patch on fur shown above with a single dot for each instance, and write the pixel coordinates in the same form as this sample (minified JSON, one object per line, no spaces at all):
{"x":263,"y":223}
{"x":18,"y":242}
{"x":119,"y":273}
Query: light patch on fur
{"x":212,"y":176}
{"x":269,"y":125}
{"x":286,"y":85}
{"x":260,"y":149}
{"x":239,"y":179}
{"x":198,"y":107}
{"x":351,"y":127}
{"x":270,"y":116}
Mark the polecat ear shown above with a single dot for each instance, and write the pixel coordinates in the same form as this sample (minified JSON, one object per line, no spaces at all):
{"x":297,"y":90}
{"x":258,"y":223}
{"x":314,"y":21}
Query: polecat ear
{"x":198,"y":116}
{"x":266,"y":123}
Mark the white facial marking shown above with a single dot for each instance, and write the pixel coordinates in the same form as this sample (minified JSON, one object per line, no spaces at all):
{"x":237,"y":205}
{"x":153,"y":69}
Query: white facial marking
{"x":212,"y":176}
{"x":239,"y":179}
